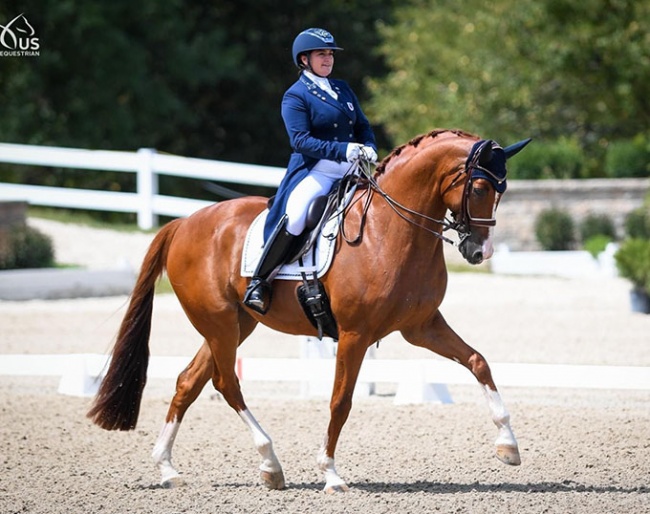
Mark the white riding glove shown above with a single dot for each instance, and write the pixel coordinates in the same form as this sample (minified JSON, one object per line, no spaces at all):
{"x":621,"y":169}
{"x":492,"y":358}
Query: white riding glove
{"x":369,"y":154}
{"x":353,"y":151}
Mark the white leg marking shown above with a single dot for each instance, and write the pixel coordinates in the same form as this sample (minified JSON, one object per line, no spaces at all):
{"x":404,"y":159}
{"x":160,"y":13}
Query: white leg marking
{"x":326,"y":465}
{"x":263,"y":443}
{"x":162,"y":451}
{"x":501,"y":418}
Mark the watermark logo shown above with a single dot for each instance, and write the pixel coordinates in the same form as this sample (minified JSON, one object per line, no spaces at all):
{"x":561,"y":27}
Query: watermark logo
{"x":18,"y":39}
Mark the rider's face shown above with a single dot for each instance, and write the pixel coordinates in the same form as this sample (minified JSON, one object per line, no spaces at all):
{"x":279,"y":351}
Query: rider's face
{"x":322,"y":62}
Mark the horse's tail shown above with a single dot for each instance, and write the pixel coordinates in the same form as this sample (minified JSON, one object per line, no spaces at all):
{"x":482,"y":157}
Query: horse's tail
{"x":117,"y":404}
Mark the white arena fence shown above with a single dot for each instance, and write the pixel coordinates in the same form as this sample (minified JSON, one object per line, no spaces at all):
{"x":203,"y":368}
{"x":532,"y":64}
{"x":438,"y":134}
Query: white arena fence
{"x":146,"y":163}
{"x":418,"y":381}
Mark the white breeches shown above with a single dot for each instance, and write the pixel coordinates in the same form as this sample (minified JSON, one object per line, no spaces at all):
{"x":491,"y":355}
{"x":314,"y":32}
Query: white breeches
{"x":318,"y":182}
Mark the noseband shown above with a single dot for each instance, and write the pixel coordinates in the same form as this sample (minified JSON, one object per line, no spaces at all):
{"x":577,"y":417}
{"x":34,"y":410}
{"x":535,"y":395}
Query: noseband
{"x":462,"y":221}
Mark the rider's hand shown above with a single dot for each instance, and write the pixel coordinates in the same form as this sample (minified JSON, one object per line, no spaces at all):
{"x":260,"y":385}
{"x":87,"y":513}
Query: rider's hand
{"x":353,"y":151}
{"x":368,"y":153}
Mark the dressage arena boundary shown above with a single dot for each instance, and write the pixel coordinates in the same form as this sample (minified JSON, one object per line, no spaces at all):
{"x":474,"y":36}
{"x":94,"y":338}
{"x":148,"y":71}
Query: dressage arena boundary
{"x":418,"y":381}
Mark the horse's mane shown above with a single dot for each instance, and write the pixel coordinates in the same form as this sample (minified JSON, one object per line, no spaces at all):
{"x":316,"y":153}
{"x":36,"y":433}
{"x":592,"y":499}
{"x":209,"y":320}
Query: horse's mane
{"x":414,"y":143}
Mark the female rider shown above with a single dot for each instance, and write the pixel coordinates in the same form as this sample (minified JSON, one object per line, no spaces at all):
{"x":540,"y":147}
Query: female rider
{"x":327,"y":131}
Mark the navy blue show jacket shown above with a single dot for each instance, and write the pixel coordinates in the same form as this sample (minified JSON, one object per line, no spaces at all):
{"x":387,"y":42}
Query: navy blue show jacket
{"x":319,"y":127}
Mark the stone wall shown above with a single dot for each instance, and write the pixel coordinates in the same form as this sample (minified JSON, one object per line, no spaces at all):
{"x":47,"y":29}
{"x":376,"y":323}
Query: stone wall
{"x":525,"y":199}
{"x":12,"y":213}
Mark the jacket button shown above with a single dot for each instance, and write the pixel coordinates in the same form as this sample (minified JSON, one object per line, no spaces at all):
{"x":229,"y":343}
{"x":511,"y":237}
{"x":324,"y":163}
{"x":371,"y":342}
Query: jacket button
{"x":336,"y":138}
{"x":350,"y":122}
{"x":336,"y":125}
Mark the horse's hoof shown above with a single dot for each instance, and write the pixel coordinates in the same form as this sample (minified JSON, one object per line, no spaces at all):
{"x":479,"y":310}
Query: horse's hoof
{"x":337,"y":489}
{"x":508,"y":455}
{"x":173,"y":482}
{"x":273,"y":480}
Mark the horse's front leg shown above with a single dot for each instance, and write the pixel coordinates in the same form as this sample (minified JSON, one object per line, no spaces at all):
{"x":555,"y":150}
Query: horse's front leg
{"x":349,"y":358}
{"x":189,"y":385}
{"x":438,"y":337}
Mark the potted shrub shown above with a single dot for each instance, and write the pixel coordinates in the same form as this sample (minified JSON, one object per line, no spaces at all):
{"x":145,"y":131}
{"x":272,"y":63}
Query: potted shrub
{"x":633,"y":263}
{"x":597,"y":231}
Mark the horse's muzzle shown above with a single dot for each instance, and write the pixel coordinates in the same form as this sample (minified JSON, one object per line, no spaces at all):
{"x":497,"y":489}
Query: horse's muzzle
{"x":471,"y":251}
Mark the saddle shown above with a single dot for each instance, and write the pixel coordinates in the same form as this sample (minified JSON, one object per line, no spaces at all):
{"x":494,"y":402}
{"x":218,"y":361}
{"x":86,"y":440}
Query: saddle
{"x":311,"y":293}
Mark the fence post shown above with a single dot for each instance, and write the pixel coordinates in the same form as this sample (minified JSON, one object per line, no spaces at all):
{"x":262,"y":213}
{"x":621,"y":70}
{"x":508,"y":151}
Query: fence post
{"x":147,"y":187}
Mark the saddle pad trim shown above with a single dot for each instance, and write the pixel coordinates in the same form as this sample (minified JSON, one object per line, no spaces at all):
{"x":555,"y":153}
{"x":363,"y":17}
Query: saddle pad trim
{"x":254,"y":244}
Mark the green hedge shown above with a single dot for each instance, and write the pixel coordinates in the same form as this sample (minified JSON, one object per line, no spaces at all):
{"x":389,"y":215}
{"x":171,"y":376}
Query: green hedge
{"x":27,"y":248}
{"x":555,"y":230}
{"x":566,"y":158}
{"x":633,"y":263}
{"x":628,"y":158}
{"x":637,"y":223}
{"x":563,"y":158}
{"x":597,"y":225}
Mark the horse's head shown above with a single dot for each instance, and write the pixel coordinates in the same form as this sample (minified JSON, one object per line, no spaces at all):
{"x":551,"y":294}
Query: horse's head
{"x":474,"y":194}
{"x":466,"y":176}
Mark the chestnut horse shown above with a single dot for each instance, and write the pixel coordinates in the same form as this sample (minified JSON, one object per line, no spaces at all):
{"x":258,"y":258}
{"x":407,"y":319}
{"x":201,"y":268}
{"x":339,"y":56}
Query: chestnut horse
{"x":392,"y":279}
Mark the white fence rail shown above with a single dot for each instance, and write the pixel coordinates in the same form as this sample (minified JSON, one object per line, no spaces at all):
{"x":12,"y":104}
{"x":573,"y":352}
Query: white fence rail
{"x":80,"y":373}
{"x":146,"y":163}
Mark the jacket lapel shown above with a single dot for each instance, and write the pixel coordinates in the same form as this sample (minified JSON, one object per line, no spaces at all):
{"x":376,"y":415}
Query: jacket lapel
{"x":342,"y":103}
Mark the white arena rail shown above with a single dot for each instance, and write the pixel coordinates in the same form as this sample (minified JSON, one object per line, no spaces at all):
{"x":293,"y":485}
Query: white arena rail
{"x":146,"y":163}
{"x":418,"y":381}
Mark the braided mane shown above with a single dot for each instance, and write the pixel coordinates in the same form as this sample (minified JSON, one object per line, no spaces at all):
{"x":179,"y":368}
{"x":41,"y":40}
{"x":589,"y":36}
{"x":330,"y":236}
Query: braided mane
{"x":414,"y":143}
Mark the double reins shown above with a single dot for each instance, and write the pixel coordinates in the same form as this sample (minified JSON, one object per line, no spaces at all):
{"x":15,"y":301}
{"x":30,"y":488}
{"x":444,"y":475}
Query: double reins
{"x":401,"y":210}
{"x":362,"y":167}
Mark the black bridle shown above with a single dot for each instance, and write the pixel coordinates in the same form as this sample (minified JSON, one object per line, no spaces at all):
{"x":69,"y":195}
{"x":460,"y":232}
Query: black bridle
{"x":461,"y":222}
{"x":465,"y":220}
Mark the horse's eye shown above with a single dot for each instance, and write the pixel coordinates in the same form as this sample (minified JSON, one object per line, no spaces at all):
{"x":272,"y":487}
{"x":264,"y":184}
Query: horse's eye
{"x":480,"y":192}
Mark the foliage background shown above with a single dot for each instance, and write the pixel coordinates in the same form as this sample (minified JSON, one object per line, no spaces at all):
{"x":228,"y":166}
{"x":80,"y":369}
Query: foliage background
{"x":206,"y":79}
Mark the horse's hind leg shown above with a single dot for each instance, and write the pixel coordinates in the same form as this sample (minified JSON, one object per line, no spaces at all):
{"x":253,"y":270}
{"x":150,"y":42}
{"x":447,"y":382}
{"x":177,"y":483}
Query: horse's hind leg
{"x":227,"y":383}
{"x":438,"y":337}
{"x":189,"y":385}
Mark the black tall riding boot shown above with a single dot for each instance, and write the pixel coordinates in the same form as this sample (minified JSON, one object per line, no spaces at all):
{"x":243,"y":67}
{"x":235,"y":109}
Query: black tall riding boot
{"x":258,"y":293}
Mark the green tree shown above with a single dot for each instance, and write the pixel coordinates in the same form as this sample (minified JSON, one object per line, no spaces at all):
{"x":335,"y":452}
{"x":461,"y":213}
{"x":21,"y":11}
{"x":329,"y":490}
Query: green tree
{"x":188,"y":77}
{"x":599,"y":52}
{"x":114,"y":75}
{"x":510,"y":69}
{"x":451,"y":65}
{"x":195,"y":78}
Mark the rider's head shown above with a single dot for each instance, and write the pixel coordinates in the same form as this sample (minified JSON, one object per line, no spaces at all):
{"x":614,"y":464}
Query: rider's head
{"x":308,"y":41}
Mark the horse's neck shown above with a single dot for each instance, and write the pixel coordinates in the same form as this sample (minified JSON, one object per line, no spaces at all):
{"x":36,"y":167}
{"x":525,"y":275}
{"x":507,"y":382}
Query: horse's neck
{"x":396,"y":231}
{"x":421,"y":197}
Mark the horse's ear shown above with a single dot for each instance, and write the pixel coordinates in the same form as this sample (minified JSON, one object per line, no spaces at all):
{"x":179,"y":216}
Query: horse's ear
{"x":486,"y":153}
{"x":516,"y":148}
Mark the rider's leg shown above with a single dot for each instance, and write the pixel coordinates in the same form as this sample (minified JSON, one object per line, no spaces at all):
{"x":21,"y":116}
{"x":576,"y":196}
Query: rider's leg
{"x":313,"y":185}
{"x":276,"y":250}
{"x":278,"y":246}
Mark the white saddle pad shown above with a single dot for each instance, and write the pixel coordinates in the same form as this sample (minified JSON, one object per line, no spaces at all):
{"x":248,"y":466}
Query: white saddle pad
{"x":254,"y":244}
